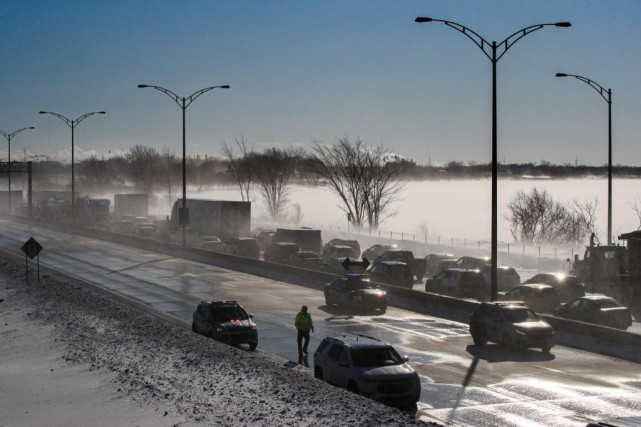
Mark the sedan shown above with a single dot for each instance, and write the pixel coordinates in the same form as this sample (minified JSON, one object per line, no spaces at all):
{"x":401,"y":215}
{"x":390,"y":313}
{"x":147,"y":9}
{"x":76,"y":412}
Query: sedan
{"x":567,"y":285}
{"x":539,"y":297}
{"x":355,"y":290}
{"x":598,"y":309}
{"x":306,"y":259}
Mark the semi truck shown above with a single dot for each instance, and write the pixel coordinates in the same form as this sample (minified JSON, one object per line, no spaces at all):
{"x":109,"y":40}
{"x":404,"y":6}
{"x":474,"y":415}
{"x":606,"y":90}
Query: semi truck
{"x":223,"y":218}
{"x":613,"y":270}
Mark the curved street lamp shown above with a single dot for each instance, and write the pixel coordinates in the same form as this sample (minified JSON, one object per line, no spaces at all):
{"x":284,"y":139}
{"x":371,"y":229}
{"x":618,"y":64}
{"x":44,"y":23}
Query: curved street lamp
{"x":8,"y":136}
{"x":494,"y":51}
{"x":183,"y":103}
{"x":607,"y":95}
{"x":72,"y":124}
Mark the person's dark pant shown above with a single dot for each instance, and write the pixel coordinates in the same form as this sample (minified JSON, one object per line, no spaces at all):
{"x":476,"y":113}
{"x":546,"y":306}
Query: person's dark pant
{"x":302,"y":347}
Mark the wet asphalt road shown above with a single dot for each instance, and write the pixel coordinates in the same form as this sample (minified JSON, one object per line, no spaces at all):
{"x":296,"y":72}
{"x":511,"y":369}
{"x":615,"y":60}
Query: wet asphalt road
{"x":462,"y":384}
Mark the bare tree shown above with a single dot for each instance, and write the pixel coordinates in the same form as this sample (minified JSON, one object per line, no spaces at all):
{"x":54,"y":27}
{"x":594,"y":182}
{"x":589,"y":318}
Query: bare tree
{"x":585,"y":214}
{"x":96,"y":171}
{"x":359,"y":175}
{"x":636,"y":207}
{"x":537,"y":218}
{"x":273,"y":171}
{"x":170,"y":173}
{"x":145,"y":167}
{"x":240,"y":166}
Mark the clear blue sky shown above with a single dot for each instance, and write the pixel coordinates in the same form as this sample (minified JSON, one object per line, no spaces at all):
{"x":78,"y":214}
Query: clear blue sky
{"x":303,"y":69}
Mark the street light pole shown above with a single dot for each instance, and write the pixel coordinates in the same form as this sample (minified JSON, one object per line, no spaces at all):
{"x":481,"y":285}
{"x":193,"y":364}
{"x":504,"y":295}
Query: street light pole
{"x":606,"y":94}
{"x":72,"y":124}
{"x":183,"y":103}
{"x":8,"y":136}
{"x":494,"y":53}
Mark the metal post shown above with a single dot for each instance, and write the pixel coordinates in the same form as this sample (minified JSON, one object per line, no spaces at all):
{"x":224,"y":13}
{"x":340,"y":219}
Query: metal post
{"x":493,"y":257}
{"x":609,"y":166}
{"x":184,"y":212}
{"x":73,"y":178}
{"x":9,"y":142}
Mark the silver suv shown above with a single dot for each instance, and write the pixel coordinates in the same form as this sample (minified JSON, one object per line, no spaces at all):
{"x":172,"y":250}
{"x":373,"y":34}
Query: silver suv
{"x":367,"y":366}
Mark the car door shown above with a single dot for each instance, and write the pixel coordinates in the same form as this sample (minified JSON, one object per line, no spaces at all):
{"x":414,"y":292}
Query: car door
{"x":332,"y":370}
{"x":493,"y":320}
{"x":205,"y":320}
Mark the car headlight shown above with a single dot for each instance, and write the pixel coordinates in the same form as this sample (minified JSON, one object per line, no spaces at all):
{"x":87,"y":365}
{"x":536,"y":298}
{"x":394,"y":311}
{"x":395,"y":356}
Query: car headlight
{"x":220,"y":329}
{"x":520,"y":331}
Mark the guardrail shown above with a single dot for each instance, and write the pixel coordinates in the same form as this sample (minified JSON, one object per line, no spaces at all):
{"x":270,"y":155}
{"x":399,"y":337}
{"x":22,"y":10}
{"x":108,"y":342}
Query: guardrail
{"x":422,"y":302}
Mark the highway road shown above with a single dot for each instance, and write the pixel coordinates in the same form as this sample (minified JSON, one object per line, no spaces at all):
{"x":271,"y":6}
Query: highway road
{"x":461,"y":384}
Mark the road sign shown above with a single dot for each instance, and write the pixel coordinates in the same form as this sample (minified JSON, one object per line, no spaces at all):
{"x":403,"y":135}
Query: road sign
{"x":31,"y":248}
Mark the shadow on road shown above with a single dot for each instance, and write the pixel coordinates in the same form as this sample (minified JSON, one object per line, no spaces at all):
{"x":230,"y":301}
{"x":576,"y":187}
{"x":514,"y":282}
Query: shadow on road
{"x":494,"y":353}
{"x":339,"y":312}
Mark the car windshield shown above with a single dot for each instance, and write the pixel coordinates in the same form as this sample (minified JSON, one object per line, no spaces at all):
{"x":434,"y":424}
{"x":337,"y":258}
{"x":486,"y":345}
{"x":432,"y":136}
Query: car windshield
{"x":375,"y":357}
{"x":225,"y":314}
{"x":519,"y":314}
{"x":608,"y":303}
{"x":307,"y":255}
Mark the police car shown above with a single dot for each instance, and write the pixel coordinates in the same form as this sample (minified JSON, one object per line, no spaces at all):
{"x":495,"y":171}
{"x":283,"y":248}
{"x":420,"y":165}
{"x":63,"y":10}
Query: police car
{"x":225,"y":321}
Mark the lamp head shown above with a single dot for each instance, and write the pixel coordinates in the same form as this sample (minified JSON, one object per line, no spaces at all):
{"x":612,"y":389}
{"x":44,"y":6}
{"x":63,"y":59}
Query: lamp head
{"x":142,"y":86}
{"x":43,"y":112}
{"x":31,"y":127}
{"x":225,"y":87}
{"x":101,"y":112}
{"x":561,"y":75}
{"x":563,"y":24}
{"x":420,"y":19}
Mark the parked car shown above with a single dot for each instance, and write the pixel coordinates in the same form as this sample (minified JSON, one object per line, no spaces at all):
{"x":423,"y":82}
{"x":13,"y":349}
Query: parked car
{"x":597,"y":309}
{"x":243,"y":246}
{"x":356,"y":290}
{"x":306,"y":259}
{"x":567,"y":286}
{"x":342,"y":242}
{"x":434,"y":263}
{"x":338,"y":251}
{"x":416,"y":265}
{"x":367,"y":366}
{"x":337,"y":266}
{"x":539,"y":297}
{"x":393,"y":273}
{"x":375,"y":251}
{"x":471,"y":262}
{"x":511,"y":324}
{"x":280,"y":252}
{"x":506,"y":277}
{"x":225,"y":321}
{"x":212,"y":243}
{"x":458,"y":282}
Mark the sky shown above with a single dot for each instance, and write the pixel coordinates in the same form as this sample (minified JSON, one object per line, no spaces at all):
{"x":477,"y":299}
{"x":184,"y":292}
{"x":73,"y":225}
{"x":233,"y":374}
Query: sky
{"x":303,"y":70}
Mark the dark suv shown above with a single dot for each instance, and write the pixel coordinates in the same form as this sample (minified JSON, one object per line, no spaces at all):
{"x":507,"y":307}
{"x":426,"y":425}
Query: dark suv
{"x":356,"y":290}
{"x":225,"y":321}
{"x":280,"y":252}
{"x":367,"y":366}
{"x":511,"y":324}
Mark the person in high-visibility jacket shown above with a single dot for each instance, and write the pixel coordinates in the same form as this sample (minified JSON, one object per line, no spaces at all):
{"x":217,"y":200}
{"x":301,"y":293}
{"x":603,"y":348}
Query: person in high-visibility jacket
{"x":303,"y":324}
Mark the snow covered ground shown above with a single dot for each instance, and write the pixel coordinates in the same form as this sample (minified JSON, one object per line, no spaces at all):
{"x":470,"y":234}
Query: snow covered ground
{"x":69,"y":356}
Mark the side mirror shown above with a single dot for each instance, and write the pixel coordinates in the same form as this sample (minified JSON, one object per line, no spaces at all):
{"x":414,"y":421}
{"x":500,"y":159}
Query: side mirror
{"x":406,"y":358}
{"x":251,"y":316}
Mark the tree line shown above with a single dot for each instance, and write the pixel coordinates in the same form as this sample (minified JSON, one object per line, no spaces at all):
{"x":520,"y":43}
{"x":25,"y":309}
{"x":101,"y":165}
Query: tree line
{"x":367,"y":180}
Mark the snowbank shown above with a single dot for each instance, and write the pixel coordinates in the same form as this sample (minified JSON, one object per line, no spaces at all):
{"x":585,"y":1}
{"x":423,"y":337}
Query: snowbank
{"x":71,"y":357}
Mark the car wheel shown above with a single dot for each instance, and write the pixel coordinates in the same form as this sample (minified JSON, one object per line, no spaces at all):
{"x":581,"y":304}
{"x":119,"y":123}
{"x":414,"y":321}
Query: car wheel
{"x":478,"y":336}
{"x":328,"y":300}
{"x":507,"y":342}
{"x":193,"y":327}
{"x":253,"y":345}
{"x":383,"y":309}
{"x":546,"y":349}
{"x":351,"y":386}
{"x":318,"y":372}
